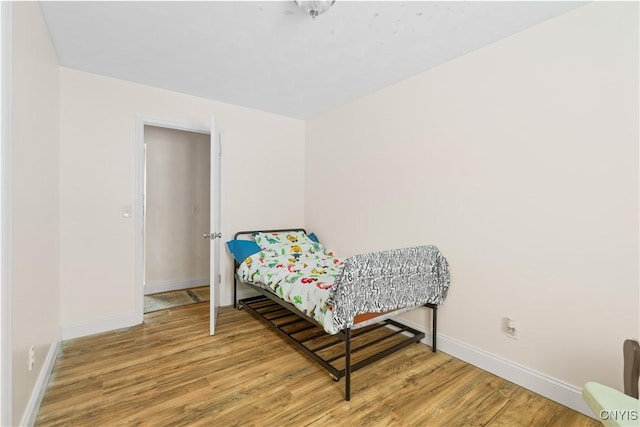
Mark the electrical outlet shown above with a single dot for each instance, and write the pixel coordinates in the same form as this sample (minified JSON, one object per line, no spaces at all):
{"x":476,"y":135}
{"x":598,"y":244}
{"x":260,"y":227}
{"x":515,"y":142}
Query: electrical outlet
{"x":32,"y":357}
{"x":513,"y":328}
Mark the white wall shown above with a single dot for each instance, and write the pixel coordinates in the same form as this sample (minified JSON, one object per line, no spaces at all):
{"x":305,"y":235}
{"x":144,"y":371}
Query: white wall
{"x":520,"y":162}
{"x":35,"y":145}
{"x":177,"y":207}
{"x":97,"y":168}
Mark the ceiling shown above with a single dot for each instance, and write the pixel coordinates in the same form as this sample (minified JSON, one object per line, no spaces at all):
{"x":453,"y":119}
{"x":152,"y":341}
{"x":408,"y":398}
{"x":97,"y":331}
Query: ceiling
{"x":270,"y":55}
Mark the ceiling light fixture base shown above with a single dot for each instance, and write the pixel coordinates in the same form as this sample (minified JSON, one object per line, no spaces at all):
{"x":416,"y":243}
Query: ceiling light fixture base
{"x":314,"y":8}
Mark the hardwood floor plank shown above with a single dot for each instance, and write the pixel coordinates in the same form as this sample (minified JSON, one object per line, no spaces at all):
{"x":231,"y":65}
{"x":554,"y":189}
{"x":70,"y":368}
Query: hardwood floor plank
{"x":171,"y":372}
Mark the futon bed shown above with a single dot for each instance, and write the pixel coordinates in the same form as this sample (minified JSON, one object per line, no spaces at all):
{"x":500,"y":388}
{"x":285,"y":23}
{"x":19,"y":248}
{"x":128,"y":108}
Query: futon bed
{"x":316,"y":300}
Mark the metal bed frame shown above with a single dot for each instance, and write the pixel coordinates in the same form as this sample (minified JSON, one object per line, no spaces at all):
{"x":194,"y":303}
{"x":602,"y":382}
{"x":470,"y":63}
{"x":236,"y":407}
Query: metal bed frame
{"x":302,"y":331}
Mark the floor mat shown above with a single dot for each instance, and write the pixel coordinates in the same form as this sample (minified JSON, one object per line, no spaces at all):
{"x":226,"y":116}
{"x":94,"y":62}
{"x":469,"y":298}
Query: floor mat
{"x":201,"y":293}
{"x":166,"y":300}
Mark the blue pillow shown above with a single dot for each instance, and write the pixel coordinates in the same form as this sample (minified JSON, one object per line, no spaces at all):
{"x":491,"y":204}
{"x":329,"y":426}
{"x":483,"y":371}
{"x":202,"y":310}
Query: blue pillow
{"x":313,"y":237}
{"x":241,"y":249}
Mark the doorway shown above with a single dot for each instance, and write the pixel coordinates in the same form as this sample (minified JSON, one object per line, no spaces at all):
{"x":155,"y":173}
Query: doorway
{"x":176,"y":196}
{"x":211,"y":236}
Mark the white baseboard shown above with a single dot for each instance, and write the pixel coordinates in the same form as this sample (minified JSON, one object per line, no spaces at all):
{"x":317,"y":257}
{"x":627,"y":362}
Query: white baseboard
{"x":174,"y":285}
{"x":126,"y":320}
{"x":33,"y":405}
{"x":106,"y":324}
{"x":551,"y":388}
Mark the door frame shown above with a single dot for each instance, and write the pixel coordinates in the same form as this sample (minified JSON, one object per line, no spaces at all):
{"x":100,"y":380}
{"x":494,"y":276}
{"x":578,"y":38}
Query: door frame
{"x":141,"y":122}
{"x":5,"y":214}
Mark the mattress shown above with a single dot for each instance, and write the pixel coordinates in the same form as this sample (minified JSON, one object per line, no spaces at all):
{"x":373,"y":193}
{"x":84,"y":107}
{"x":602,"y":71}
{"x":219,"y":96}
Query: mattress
{"x":337,"y":292}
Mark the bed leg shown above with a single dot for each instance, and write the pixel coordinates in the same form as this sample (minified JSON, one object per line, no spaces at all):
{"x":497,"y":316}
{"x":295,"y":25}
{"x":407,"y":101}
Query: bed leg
{"x":434,"y":316}
{"x":235,"y":286}
{"x":347,"y":364}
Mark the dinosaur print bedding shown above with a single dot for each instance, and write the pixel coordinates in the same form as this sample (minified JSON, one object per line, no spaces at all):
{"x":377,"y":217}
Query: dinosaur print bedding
{"x":332,"y":290}
{"x":300,"y":272}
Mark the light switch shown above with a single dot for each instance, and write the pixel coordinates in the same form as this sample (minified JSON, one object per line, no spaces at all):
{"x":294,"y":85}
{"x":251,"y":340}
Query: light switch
{"x":127,"y":211}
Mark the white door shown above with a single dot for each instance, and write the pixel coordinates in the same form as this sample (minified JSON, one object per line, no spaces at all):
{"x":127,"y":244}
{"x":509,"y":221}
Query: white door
{"x":215,"y":234}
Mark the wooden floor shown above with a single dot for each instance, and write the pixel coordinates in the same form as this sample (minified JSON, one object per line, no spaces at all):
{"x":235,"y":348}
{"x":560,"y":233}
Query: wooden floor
{"x":169,"y":371}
